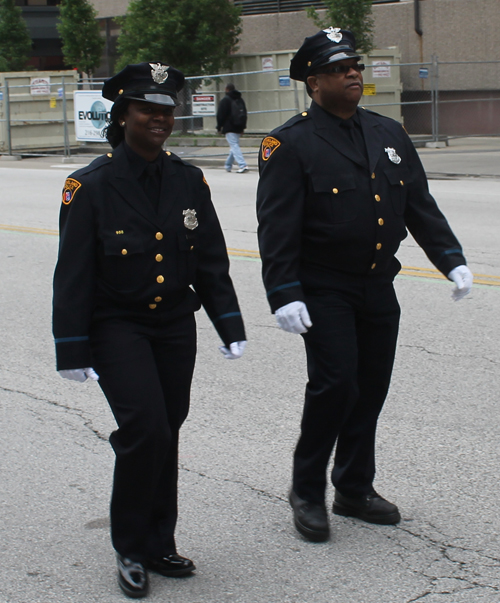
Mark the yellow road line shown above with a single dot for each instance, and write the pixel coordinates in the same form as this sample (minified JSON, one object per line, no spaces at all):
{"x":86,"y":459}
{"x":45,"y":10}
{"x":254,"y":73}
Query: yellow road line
{"x":45,"y":231}
{"x":481,"y":279}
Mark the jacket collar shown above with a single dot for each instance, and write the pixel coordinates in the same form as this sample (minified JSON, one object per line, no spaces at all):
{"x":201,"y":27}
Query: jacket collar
{"x":127,"y":184}
{"x":329,"y":129}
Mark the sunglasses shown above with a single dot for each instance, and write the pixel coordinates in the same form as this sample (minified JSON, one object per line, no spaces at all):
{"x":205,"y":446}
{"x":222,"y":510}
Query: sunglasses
{"x":359,"y":67}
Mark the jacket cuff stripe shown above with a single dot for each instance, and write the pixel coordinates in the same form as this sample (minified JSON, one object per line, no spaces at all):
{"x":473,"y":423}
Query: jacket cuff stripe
{"x":228,"y":315}
{"x":68,"y":339}
{"x":286,"y":286}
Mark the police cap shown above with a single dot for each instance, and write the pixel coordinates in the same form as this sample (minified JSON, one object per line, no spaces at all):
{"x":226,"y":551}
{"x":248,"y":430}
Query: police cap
{"x":325,"y":47}
{"x":151,"y":82}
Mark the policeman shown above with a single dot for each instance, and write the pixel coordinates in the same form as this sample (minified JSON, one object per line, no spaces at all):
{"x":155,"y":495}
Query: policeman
{"x":338,"y":188}
{"x":141,"y":249}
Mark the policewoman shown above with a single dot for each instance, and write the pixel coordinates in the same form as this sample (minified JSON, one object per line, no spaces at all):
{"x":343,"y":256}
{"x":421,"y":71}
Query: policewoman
{"x":141,"y":249}
{"x":339,"y":187}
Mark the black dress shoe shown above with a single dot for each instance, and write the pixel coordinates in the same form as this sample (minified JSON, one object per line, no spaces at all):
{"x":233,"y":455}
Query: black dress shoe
{"x":171,"y":565}
{"x":310,"y":518}
{"x":132,"y":577}
{"x":371,"y":508}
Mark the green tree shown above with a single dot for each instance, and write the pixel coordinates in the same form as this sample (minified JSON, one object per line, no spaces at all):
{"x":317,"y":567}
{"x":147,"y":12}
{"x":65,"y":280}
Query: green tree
{"x":82,"y":43}
{"x":195,"y":36}
{"x":15,"y":41}
{"x":354,"y":15}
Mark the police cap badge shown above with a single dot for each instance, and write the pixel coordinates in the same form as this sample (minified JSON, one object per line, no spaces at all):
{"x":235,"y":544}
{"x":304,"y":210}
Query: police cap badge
{"x":151,"y":82}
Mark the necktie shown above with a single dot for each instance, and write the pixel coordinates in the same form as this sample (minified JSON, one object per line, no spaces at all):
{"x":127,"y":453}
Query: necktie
{"x":152,"y":184}
{"x":356,"y":136}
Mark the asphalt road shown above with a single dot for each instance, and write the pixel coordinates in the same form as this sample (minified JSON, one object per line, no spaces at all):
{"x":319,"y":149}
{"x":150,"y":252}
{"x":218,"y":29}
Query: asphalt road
{"x":438,"y":443}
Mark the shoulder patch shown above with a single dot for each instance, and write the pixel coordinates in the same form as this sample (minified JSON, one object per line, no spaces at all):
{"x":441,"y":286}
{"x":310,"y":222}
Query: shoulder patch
{"x":70,"y":187}
{"x":269,"y":145}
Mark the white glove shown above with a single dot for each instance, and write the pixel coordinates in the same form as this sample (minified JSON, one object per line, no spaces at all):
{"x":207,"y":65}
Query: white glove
{"x":80,"y":374}
{"x":235,"y":350}
{"x":293,"y":317}
{"x":462,"y":277}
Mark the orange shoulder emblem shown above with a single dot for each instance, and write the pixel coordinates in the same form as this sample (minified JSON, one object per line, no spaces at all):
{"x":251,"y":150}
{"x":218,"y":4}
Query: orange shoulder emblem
{"x":70,"y":187}
{"x":269,"y":145}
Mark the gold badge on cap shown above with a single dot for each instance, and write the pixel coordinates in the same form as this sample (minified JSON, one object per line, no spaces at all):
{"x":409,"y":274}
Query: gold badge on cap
{"x":333,"y":34}
{"x":190,"y":219}
{"x":159,"y":72}
{"x":269,"y":145}
{"x":393,"y":156}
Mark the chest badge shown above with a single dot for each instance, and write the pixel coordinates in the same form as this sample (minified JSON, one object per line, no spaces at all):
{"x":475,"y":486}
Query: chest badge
{"x":190,"y":219}
{"x":393,"y":156}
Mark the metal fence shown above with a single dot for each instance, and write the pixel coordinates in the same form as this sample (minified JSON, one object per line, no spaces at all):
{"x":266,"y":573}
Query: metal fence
{"x":434,"y":100}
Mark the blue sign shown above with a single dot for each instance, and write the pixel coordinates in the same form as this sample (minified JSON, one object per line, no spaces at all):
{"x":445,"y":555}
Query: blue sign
{"x":423,"y":73}
{"x":284,"y":80}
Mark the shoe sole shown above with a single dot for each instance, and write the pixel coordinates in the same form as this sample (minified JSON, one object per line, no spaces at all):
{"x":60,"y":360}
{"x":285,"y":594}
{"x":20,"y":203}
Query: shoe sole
{"x":312,"y":535}
{"x":173,"y":573}
{"x":389,"y":519}
{"x":133,"y":594}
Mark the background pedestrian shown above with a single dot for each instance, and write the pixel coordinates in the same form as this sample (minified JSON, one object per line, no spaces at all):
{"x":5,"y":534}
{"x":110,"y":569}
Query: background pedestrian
{"x":232,"y":121}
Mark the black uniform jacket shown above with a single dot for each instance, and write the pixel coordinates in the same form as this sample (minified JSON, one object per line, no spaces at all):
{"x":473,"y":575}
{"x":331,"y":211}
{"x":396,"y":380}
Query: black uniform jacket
{"x":324,"y":211}
{"x":119,"y":258}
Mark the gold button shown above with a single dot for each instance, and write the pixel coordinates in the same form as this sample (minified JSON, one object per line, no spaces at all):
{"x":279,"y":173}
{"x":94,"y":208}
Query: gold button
{"x":379,"y":245}
{"x":401,"y":182}
{"x":191,"y":248}
{"x":335,"y":191}
{"x":168,"y":153}
{"x":381,"y":221}
{"x":373,"y":266}
{"x":373,"y":176}
{"x":160,"y":279}
{"x":304,"y":113}
{"x":158,"y":257}
{"x":158,"y":299}
{"x":152,"y":306}
{"x":309,"y":63}
{"x":377,"y":197}
{"x":109,"y":154}
{"x":124,"y":252}
{"x":120,"y":91}
{"x":159,"y":236}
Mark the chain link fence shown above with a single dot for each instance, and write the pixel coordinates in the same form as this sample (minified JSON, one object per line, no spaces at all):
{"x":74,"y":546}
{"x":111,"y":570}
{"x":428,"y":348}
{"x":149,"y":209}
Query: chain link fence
{"x":434,"y":100}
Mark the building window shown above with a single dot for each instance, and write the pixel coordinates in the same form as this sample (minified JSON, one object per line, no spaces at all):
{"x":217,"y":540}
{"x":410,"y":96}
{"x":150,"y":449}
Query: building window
{"x":260,"y":7}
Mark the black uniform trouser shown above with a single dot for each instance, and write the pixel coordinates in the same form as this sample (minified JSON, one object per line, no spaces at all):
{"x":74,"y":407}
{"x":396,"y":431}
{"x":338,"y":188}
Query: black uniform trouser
{"x":350,"y":354}
{"x":145,"y":373}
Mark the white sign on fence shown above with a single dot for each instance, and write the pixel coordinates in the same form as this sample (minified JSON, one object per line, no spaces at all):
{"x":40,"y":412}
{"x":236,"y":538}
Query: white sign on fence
{"x":91,"y":115}
{"x":381,"y":69}
{"x":39,"y":86}
{"x":203,"y":104}
{"x":267,"y":63}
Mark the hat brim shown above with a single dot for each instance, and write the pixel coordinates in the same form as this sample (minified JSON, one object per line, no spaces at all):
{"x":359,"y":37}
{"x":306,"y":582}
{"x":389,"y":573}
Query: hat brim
{"x":148,"y":97}
{"x":341,"y":56}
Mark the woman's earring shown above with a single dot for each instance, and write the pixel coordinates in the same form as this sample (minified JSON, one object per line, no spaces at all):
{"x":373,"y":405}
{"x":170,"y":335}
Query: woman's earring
{"x":122,"y":123}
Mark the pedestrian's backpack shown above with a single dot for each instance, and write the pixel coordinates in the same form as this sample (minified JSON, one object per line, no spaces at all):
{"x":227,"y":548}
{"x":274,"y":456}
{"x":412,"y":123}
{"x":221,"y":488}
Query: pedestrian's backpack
{"x":238,"y":112}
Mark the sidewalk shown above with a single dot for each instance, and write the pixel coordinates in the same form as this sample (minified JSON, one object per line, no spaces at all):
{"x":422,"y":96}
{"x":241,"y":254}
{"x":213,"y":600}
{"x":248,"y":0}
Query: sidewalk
{"x":463,"y":157}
